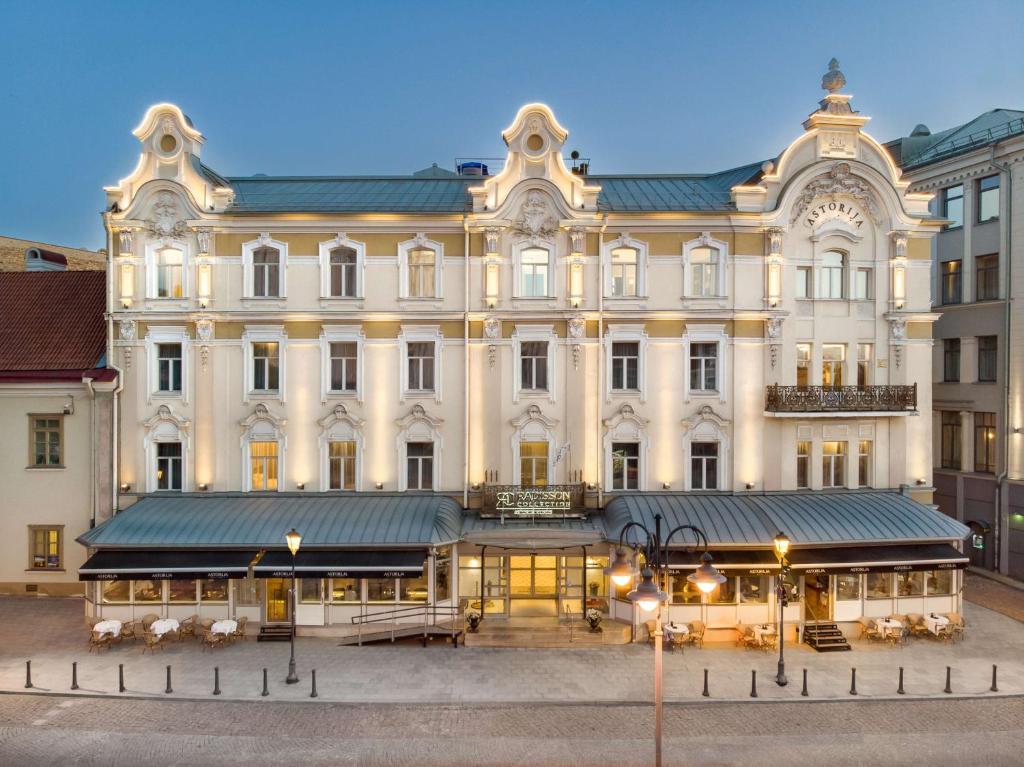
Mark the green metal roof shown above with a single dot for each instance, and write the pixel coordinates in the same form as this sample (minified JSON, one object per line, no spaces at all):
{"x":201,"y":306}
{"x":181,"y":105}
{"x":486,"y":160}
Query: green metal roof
{"x":995,"y":125}
{"x":235,"y":520}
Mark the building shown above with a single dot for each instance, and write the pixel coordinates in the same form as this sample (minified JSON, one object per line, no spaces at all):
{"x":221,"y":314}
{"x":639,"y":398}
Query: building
{"x":460,"y":386}
{"x":56,"y":408}
{"x":975,"y":173}
{"x":28,"y":255}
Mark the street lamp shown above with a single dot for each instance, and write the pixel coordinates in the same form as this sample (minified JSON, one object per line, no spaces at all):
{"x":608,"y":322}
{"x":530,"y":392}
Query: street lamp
{"x":294,"y":540}
{"x":648,"y":595}
{"x":782,"y":598}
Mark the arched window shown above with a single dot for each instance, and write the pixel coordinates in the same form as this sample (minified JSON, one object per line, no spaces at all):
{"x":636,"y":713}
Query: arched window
{"x":266,"y":272}
{"x":263,"y":451}
{"x":169,"y":273}
{"x":343,"y":265}
{"x":833,"y":270}
{"x":624,"y":269}
{"x":534,"y":273}
{"x":166,"y":450}
{"x":704,"y":271}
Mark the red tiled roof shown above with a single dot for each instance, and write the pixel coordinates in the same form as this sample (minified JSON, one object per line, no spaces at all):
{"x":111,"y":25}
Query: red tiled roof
{"x":52,"y":321}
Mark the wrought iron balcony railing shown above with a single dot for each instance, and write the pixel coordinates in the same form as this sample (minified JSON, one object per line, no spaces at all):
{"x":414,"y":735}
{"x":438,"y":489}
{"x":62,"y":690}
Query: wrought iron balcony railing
{"x":840,"y":399}
{"x":522,"y":501}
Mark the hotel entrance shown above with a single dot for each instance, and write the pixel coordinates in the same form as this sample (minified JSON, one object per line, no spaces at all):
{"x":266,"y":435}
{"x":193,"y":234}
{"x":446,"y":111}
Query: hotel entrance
{"x":533,"y":585}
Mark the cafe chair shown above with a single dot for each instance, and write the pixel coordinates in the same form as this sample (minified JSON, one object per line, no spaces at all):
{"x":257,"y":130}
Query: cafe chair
{"x":957,"y":624}
{"x":151,"y":642}
{"x":868,"y":628}
{"x":147,"y":620}
{"x":696,"y":635}
{"x":187,"y":628}
{"x":99,"y":642}
{"x":131,"y":630}
{"x":239,"y":632}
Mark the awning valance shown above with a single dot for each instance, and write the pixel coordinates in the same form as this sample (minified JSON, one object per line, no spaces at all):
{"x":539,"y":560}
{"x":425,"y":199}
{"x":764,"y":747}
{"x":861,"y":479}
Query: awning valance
{"x":877,"y":559}
{"x":729,"y":562}
{"x":137,"y":564}
{"x":320,"y":563}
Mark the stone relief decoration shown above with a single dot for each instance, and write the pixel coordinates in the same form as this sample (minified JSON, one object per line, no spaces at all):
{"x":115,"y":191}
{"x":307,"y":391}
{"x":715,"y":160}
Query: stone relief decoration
{"x":775,"y":241}
{"x":204,"y":332}
{"x":626,"y":424}
{"x":899,"y":241}
{"x":203,"y":240}
{"x":261,"y":413}
{"x":125,"y":241}
{"x":897,"y":335}
{"x":166,"y":221}
{"x":577,"y":329}
{"x":340,"y":415}
{"x":578,"y":238}
{"x":773,"y":327}
{"x":492,"y":332}
{"x":838,"y":182}
{"x":535,"y":218}
{"x":165,"y":416}
{"x":705,"y":422}
{"x":126,"y":330}
{"x":492,"y":235}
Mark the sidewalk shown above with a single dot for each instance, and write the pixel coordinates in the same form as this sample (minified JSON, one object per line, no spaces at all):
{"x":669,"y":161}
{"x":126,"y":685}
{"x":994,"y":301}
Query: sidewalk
{"x":51,"y":634}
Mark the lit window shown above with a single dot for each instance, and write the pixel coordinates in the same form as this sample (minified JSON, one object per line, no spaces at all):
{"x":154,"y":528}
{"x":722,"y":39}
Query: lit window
{"x":266,"y":272}
{"x":342,"y":460}
{"x":988,"y":199}
{"x":704,"y":367}
{"x":264,"y":465}
{"x":704,"y":271}
{"x":833,"y":359}
{"x":344,"y":365}
{"x":45,"y":553}
{"x":864,"y":354}
{"x":704,"y":465}
{"x":803,"y":464}
{"x":533,"y":360}
{"x":421,"y":365}
{"x":168,"y":466}
{"x":803,"y":364}
{"x":625,"y":466}
{"x":624,"y":272}
{"x":985,"y":443}
{"x":952,"y":281}
{"x":343,"y":272}
{"x":625,"y":366}
{"x":422,"y":265}
{"x":168,"y":367}
{"x":833,"y":464}
{"x":533,"y":272}
{"x":265,"y":370}
{"x":864,"y":463}
{"x":833,"y":268}
{"x":953,"y":205}
{"x":169,"y":273}
{"x":533,"y":464}
{"x":419,"y":458}
{"x":47,"y":444}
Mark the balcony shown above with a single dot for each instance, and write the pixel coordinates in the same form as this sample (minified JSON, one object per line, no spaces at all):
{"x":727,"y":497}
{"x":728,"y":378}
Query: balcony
{"x":513,"y":501}
{"x":833,"y":400}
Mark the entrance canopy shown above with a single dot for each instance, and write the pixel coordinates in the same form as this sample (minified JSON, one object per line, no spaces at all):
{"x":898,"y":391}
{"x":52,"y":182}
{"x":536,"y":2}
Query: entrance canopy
{"x":342,"y":564}
{"x":533,"y":533}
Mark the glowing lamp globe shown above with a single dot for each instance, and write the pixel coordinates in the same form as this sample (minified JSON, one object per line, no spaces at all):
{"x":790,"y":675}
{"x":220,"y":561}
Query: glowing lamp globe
{"x":294,"y":540}
{"x":706,"y":577}
{"x":621,"y":570}
{"x":647,"y":595}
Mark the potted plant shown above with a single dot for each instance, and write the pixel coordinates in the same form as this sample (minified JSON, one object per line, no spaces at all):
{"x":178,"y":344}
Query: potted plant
{"x":594,"y":618}
{"x":473,"y":619}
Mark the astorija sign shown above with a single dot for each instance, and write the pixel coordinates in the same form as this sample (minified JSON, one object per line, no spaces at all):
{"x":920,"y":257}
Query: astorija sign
{"x":834,"y":209}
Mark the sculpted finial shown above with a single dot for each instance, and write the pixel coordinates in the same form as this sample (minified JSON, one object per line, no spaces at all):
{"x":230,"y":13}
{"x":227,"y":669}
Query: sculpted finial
{"x":833,"y":80}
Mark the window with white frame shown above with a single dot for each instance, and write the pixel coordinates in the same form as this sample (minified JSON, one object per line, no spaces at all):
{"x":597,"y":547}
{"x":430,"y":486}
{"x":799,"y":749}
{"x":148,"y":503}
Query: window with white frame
{"x":263,"y":465}
{"x":865,"y":354}
{"x":343,"y":266}
{"x":534,"y":273}
{"x":803,"y":464}
{"x":533,"y":364}
{"x":803,"y":282}
{"x":170,"y":282}
{"x":168,"y":365}
{"x":419,"y":459}
{"x":625,"y":272}
{"x":704,"y":465}
{"x":420,"y":349}
{"x":704,"y":269}
{"x":625,"y":466}
{"x":265,"y":366}
{"x":341,"y":460}
{"x":803,"y":364}
{"x":340,"y":450}
{"x":833,"y":273}
{"x":833,"y":464}
{"x":864,"y":463}
{"x":625,"y":365}
{"x":169,"y":473}
{"x":863,"y":284}
{"x":703,"y":367}
{"x":266,"y":272}
{"x":165,"y":449}
{"x":420,"y":359}
{"x":833,"y":360}
{"x":533,"y":464}
{"x":422,"y":277}
{"x":344,"y":366}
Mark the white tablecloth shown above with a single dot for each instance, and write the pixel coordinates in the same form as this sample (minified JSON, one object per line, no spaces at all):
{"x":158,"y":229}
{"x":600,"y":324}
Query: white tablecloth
{"x":163,"y":626}
{"x":936,"y":623}
{"x":887,"y":626}
{"x":111,"y":627}
{"x":760,"y":632}
{"x":224,"y":627}
{"x":676,"y":628}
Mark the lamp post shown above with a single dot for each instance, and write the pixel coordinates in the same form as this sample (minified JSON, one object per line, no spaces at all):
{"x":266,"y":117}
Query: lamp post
{"x":648,"y":595}
{"x":782,"y":599}
{"x":294,"y":540}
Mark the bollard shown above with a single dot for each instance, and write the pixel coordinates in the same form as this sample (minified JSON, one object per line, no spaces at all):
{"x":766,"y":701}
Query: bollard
{"x":853,"y":681}
{"x":706,"y":693}
{"x":313,"y":694}
{"x":949,"y":679}
{"x":803,"y":692}
{"x":74,"y":676}
{"x":28,"y":674}
{"x":994,"y":687}
{"x":899,"y":690}
{"x":265,"y":692}
{"x":216,"y":680}
{"x":120,"y":677}
{"x":168,"y":690}
{"x":753,"y":684}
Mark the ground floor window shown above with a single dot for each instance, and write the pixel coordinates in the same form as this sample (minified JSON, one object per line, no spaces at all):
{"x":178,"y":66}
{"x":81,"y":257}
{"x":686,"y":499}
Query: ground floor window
{"x":488,"y":576}
{"x":214,"y":590}
{"x":248,"y":591}
{"x":940,"y":582}
{"x":45,"y":552}
{"x":148,"y":591}
{"x":909,"y":584}
{"x":117,"y":591}
{"x":847,"y":588}
{"x":725,"y":594}
{"x":309,"y":591}
{"x":181,"y":591}
{"x":380,"y":590}
{"x":754,"y":589}
{"x":879,"y":586}
{"x":413,"y":589}
{"x":684,"y":592}
{"x":344,"y":590}
{"x":443,"y":574}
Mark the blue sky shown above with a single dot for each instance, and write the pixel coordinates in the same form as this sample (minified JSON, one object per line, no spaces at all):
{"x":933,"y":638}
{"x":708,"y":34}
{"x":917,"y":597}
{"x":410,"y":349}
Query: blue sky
{"x":309,"y":88}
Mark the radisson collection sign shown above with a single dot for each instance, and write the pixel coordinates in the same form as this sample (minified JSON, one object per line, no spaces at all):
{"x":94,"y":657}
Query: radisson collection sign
{"x":534,"y":502}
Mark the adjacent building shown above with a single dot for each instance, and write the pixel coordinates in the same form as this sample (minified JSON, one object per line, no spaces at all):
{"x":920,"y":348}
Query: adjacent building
{"x":18,"y":255}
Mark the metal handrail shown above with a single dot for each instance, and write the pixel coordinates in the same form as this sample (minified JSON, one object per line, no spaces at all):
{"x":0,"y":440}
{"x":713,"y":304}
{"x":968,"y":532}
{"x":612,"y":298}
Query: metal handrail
{"x":389,"y":615}
{"x":826,"y":399}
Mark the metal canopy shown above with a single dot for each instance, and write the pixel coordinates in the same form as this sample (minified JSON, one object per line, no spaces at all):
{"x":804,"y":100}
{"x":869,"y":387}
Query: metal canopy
{"x":343,"y":564}
{"x":113,"y":565}
{"x":878,"y":559}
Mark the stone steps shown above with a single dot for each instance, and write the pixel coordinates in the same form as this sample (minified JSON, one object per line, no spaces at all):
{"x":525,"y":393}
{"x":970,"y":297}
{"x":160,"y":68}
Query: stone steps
{"x":497,"y":632}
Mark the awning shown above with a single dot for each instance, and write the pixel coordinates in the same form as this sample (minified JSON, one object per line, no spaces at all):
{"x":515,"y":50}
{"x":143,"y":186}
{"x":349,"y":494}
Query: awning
{"x":877,"y":559}
{"x":321,"y":563}
{"x":137,"y":564}
{"x":729,"y":562}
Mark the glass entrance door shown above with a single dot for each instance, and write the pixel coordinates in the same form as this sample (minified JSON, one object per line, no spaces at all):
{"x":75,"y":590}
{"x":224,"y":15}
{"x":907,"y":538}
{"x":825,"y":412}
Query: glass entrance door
{"x":533,"y":585}
{"x":276,"y":606}
{"x":817,"y":604}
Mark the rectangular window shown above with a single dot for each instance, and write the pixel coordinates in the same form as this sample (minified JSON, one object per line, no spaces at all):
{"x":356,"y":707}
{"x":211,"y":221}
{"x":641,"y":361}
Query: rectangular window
{"x":864,"y":463}
{"x":953,"y":205}
{"x":803,"y":282}
{"x":46,"y":544}
{"x":266,"y":272}
{"x":265,"y":371}
{"x":47,"y":440}
{"x":988,"y":199}
{"x":864,"y":357}
{"x":533,"y":464}
{"x":833,"y":360}
{"x":341,"y":456}
{"x":533,"y":360}
{"x":213,"y":589}
{"x":624,"y":269}
{"x":985,"y":443}
{"x":413,"y":589}
{"x":951,"y":360}
{"x":419,"y":457}
{"x":117,"y":591}
{"x":753,"y":589}
{"x":988,"y":354}
{"x":704,"y":271}
{"x":625,"y":366}
{"x":309,"y":591}
{"x":168,"y":362}
{"x":380,"y":590}
{"x":833,"y":267}
{"x":878,"y":585}
{"x":986,"y":283}
{"x":704,"y":465}
{"x":344,"y":590}
{"x":863,"y":289}
{"x":181,"y":591}
{"x":168,"y":466}
{"x":951,"y":439}
{"x":684,"y":592}
{"x":725,"y":594}
{"x":704,"y":367}
{"x":625,"y":466}
{"x":847,"y":588}
{"x":343,"y":272}
{"x":147,"y":591}
{"x":833,"y":464}
{"x":803,"y":364}
{"x":939,"y":582}
{"x":803,"y":464}
{"x":952,"y":284}
{"x":443,"y":574}
{"x":169,"y":273}
{"x":422,"y":275}
{"x":533,"y":273}
{"x":910,"y":584}
{"x":421,"y":365}
{"x":344,"y":365}
{"x":264,"y":465}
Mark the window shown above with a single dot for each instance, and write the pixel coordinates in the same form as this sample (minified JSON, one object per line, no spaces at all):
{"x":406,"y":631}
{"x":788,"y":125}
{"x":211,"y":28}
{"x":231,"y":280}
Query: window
{"x":832,"y":274}
{"x":864,"y":463}
{"x":704,"y":465}
{"x":684,"y":592}
{"x":343,"y":263}
{"x":864,"y":355}
{"x":266,"y":272}
{"x":953,"y":205}
{"x":624,"y":272}
{"x":951,"y":360}
{"x":341,"y":458}
{"x":910,"y":584}
{"x":265,"y":366}
{"x":168,"y":365}
{"x":725,"y":594}
{"x":704,"y":367}
{"x":344,"y":590}
{"x":380,"y":589}
{"x":181,"y":591}
{"x":988,"y":199}
{"x":169,"y":273}
{"x":833,"y":359}
{"x":47,"y":442}
{"x":704,"y":271}
{"x":344,"y":366}
{"x":263,"y":460}
{"x":753,"y":589}
{"x":625,"y":466}
{"x":419,"y":458}
{"x":309,"y":590}
{"x":413,"y":589}
{"x":147,"y":591}
{"x":939,"y":582}
{"x":213,"y":589}
{"x":803,"y":364}
{"x":985,"y":442}
{"x":878,"y":585}
{"x":168,"y":466}
{"x":863,"y":289}
{"x":950,"y":439}
{"x":847,"y":588}
{"x":803,"y":464}
{"x":533,"y":273}
{"x":45,"y":548}
{"x":833,"y":464}
{"x":117,"y":591}
{"x":952,"y":284}
{"x":443,"y":574}
{"x":988,"y":354}
{"x":803,"y":282}
{"x":625,"y":366}
{"x":986,"y":283}
{"x":422,"y":266}
{"x":421,"y":365}
{"x":533,"y":361}
{"x":533,"y":464}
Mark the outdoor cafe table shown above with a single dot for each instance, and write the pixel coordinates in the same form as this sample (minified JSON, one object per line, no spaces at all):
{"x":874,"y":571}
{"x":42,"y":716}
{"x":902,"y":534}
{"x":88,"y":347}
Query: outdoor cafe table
{"x":164,"y":626}
{"x":888,"y":626}
{"x":676,"y":633}
{"x":227,"y":626}
{"x":936,"y":623}
{"x":761,"y":631}
{"x":112,"y":627}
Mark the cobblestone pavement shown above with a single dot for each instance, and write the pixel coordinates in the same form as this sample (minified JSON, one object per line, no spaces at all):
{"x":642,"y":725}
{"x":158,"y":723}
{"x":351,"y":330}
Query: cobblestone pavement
{"x":113,"y":732}
{"x":994,"y":595}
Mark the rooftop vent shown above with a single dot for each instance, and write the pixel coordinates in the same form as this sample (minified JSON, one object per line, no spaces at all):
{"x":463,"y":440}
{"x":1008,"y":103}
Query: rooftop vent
{"x":920,"y":130}
{"x":38,"y":260}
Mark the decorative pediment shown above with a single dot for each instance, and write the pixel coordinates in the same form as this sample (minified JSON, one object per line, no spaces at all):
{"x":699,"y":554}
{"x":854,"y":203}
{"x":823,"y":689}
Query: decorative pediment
{"x":533,"y":414}
{"x":626,"y":425}
{"x":706,"y":423}
{"x":340,"y":424}
{"x":261,"y":422}
{"x":165,"y":424}
{"x":418,"y":415}
{"x":536,"y":219}
{"x":833,"y":191}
